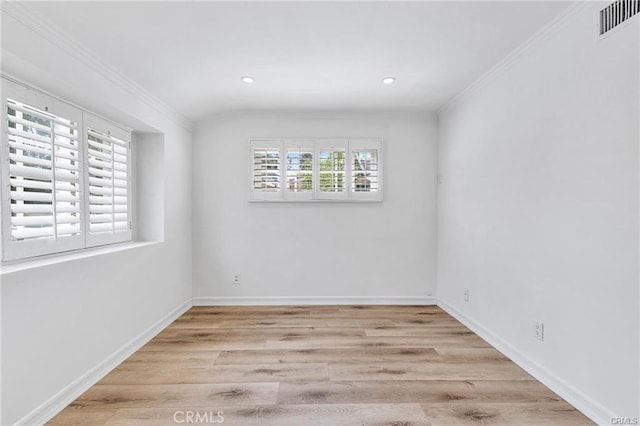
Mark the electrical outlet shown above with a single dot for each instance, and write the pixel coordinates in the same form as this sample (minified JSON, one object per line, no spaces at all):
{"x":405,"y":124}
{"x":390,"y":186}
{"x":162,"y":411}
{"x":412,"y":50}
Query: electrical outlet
{"x":538,"y":330}
{"x":466,"y":294}
{"x":236,"y":279}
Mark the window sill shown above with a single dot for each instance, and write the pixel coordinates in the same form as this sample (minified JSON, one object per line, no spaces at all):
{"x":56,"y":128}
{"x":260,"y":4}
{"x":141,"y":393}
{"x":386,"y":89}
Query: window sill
{"x":319,"y":201}
{"x":40,"y":261}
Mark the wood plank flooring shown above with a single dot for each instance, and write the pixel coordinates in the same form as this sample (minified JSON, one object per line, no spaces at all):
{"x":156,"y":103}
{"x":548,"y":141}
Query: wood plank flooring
{"x":318,"y":365}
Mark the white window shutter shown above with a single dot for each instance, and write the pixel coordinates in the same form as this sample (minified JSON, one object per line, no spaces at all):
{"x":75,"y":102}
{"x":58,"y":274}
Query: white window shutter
{"x":266,"y":170}
{"x":332,"y":174}
{"x":42,"y":174}
{"x":365,"y":162}
{"x":108,"y":175}
{"x":298,"y":166}
{"x":66,"y":176}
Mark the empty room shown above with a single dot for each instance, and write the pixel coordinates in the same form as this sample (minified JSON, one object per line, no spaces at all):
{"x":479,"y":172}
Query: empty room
{"x":320,"y":213}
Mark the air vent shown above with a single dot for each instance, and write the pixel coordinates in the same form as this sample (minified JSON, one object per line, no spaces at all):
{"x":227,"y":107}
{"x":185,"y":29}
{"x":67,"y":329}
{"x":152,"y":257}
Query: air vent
{"x":616,"y":13}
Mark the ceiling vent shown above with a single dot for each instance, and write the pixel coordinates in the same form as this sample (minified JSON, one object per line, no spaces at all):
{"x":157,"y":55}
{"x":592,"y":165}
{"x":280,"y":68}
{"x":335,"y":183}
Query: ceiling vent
{"x":616,"y":13}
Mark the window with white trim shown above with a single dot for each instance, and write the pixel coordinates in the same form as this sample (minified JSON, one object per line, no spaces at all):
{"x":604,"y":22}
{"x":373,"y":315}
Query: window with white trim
{"x":52,"y":199}
{"x":318,"y":169}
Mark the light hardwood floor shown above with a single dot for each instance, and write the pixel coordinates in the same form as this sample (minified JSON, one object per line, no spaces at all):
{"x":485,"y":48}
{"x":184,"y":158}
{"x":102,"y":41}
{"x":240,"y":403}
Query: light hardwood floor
{"x":318,"y":365}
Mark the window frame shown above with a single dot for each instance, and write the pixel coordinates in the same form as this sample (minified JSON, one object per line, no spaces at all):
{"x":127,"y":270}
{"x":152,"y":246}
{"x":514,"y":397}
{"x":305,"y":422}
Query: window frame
{"x":18,"y":250}
{"x":316,"y":145}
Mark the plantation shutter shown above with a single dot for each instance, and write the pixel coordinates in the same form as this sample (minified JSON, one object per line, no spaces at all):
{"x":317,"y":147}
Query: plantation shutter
{"x":266,"y":169}
{"x":66,"y":176}
{"x":299,"y":157}
{"x":42,"y":151}
{"x":332,"y":169}
{"x":108,"y":177}
{"x":365,"y":157}
{"x":315,"y":169}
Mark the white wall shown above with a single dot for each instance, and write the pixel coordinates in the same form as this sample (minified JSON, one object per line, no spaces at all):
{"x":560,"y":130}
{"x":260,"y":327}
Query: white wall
{"x":538,"y":211}
{"x":63,"y":319}
{"x":306,"y":253}
{"x":148,"y":152}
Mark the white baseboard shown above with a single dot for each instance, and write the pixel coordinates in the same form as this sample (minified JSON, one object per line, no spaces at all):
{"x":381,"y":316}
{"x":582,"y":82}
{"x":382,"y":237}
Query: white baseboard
{"x":67,"y":395}
{"x":573,"y":396}
{"x":329,"y":300}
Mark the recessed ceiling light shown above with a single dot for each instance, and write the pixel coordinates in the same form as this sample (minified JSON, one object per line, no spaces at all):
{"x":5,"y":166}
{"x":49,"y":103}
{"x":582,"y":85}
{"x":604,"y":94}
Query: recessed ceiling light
{"x":247,"y":79}
{"x":388,"y":80}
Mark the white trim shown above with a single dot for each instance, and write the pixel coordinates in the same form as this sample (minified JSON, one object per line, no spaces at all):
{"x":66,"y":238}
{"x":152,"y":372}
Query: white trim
{"x":314,"y":300}
{"x":68,"y":394}
{"x":27,"y":16}
{"x":592,"y":409}
{"x":318,"y":201}
{"x":516,"y":54}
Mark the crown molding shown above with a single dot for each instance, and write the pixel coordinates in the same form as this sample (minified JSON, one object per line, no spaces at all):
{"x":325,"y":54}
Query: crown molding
{"x":517,"y":54}
{"x":39,"y":24}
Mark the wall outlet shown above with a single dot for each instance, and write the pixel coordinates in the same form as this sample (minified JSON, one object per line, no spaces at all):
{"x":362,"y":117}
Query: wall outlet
{"x":236,"y":279}
{"x":538,"y":330}
{"x":466,"y":294}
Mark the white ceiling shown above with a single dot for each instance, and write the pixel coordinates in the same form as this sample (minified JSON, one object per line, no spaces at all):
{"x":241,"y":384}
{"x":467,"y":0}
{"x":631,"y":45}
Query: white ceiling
{"x":303,"y":55}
